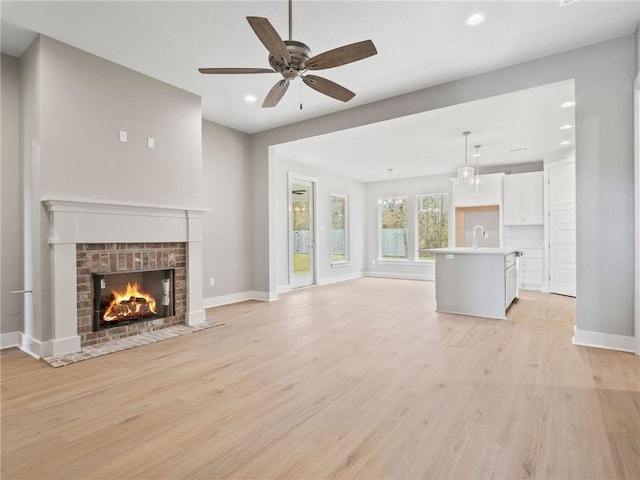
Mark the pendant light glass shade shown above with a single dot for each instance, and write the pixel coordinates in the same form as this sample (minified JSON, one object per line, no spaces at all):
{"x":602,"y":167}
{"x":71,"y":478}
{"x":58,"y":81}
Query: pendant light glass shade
{"x":476,"y":179}
{"x":466,"y":173}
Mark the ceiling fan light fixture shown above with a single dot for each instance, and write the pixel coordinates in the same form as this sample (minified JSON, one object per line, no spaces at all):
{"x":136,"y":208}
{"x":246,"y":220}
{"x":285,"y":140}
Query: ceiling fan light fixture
{"x":291,"y":59}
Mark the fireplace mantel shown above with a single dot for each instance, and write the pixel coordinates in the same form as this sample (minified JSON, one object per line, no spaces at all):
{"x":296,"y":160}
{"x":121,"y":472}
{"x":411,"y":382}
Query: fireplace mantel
{"x":74,"y":221}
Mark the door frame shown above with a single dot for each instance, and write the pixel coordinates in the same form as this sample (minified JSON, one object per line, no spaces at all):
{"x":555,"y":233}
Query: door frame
{"x":636,"y":147}
{"x":292,"y":177}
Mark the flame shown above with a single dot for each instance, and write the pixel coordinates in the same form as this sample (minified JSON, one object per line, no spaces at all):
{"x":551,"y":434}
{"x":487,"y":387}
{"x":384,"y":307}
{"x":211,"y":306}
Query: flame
{"x":131,"y":303}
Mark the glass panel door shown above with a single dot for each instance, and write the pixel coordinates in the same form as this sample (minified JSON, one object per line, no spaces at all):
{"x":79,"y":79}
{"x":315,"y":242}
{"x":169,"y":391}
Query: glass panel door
{"x":301,"y":231}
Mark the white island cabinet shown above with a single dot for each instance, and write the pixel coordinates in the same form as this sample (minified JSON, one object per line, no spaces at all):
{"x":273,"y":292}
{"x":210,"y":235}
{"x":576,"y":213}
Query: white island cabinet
{"x":475,"y":281}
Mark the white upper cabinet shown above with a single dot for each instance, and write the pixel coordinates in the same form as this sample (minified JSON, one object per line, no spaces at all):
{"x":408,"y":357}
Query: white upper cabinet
{"x":524,"y":199}
{"x":489,"y":192}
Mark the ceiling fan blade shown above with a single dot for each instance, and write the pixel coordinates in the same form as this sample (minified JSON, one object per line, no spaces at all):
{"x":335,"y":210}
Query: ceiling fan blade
{"x":270,"y":38}
{"x":328,"y":87}
{"x":236,"y":70}
{"x":275,"y":94}
{"x":342,"y":55}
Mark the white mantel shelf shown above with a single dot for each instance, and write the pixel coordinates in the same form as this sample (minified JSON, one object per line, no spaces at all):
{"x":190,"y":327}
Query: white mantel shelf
{"x":73,"y":221}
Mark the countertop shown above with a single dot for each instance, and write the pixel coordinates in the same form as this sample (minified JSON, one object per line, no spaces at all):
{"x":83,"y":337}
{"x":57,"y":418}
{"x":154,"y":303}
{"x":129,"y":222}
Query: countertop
{"x":479,"y":250}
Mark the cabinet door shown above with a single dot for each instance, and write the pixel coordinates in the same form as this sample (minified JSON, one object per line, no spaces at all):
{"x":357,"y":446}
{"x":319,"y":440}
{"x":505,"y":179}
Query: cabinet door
{"x":533,"y":199}
{"x":524,"y":199}
{"x":512,"y":200}
{"x":511,"y":286}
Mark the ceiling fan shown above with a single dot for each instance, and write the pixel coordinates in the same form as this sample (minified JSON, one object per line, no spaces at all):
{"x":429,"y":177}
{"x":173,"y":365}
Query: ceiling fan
{"x":292,"y":59}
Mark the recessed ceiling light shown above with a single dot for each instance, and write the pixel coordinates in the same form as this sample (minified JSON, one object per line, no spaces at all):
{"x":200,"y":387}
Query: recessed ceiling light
{"x":567,"y":104}
{"x":519,"y":149}
{"x":475,"y":19}
{"x":565,"y":142}
{"x":566,"y":127}
{"x":250,"y":98}
{"x":477,"y":154}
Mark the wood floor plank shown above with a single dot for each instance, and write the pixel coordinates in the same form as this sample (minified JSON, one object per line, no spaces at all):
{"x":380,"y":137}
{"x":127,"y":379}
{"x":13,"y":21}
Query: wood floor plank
{"x":361,"y":379}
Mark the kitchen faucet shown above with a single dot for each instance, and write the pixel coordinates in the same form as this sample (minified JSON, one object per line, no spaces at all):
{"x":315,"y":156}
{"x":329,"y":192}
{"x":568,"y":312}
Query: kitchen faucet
{"x":483,"y":232}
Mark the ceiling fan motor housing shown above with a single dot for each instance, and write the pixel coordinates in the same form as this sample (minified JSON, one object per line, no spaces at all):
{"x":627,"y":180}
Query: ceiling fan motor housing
{"x":299,"y":52}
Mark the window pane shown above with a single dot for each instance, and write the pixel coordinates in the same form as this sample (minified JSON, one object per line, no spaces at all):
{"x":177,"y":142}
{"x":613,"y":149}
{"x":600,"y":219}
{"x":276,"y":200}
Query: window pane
{"x":433,"y":223}
{"x":339,"y":228}
{"x":393,"y":228}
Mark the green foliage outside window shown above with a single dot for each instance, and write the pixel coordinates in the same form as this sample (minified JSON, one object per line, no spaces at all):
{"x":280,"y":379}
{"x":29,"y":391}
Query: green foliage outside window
{"x":433,"y":223}
{"x":393,"y":229}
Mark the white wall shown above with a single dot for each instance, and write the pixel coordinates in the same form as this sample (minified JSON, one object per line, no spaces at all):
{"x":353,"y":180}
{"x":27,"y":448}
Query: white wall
{"x":227,"y":226}
{"x":326,"y":186}
{"x":411,"y":188}
{"x":10,"y":202}
{"x":604,"y":75}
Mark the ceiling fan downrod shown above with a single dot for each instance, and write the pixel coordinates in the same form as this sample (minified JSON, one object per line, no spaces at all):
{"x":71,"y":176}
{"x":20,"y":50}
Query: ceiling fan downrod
{"x":290,"y":20}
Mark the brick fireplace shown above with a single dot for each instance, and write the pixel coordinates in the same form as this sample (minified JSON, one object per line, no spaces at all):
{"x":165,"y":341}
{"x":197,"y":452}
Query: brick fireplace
{"x":97,"y":262}
{"x":88,"y":237}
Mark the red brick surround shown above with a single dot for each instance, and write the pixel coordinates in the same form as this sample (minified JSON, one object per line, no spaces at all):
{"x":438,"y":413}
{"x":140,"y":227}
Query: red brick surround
{"x":123,"y":257}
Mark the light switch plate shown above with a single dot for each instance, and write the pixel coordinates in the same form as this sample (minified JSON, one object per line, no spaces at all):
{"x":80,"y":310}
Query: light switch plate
{"x":151,"y":142}
{"x":123,"y":136}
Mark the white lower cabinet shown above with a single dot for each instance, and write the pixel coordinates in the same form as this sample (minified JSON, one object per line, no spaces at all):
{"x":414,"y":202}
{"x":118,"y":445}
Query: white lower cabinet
{"x":530,"y":268}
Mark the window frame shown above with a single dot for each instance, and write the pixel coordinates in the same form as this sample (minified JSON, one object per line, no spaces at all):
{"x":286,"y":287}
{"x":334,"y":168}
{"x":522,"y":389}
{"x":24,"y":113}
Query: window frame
{"x":347,"y":256}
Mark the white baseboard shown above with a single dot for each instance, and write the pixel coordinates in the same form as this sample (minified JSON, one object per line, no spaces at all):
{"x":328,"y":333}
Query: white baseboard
{"x":283,"y":289}
{"x":196,"y":317}
{"x":238,"y":297}
{"x":35,"y":348}
{"x":402,"y":276}
{"x":65,"y":345}
{"x":10,"y":339}
{"x":340,"y":278}
{"x":609,"y":341}
{"x":38,"y":349}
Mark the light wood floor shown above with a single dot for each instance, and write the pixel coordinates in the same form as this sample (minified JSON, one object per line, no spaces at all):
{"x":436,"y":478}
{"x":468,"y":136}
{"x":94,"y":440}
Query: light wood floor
{"x":353,"y":380}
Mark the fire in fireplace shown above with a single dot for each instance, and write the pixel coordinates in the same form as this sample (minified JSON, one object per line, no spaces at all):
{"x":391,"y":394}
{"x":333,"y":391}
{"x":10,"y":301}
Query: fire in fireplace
{"x":125,"y":298}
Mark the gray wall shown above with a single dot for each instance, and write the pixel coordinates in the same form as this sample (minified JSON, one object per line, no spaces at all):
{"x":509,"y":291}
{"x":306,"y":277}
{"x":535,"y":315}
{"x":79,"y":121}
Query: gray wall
{"x":73,"y":106}
{"x":85,"y":102}
{"x":227,"y":226}
{"x":10,"y":200}
{"x":603,"y":75}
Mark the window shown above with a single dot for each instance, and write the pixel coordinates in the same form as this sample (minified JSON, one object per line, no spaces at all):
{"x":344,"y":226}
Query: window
{"x":392,"y":226}
{"x":433,"y":223}
{"x":339,"y":237}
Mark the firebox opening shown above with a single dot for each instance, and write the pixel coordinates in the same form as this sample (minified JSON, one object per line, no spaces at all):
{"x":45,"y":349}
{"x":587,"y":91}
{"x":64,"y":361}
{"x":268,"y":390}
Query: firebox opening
{"x":125,"y":298}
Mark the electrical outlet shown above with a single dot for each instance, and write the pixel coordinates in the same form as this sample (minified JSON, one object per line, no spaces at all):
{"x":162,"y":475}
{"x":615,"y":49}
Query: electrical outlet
{"x":212,"y":281}
{"x":151,"y":142}
{"x":123,"y":136}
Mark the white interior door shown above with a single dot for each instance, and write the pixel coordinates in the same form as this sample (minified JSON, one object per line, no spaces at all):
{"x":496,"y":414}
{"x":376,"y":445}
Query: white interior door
{"x":562,"y":229}
{"x":302,"y":243}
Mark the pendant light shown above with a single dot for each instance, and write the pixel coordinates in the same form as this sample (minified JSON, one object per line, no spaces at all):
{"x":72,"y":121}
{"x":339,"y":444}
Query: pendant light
{"x":466,"y":173}
{"x":390,"y":202}
{"x":476,"y":178}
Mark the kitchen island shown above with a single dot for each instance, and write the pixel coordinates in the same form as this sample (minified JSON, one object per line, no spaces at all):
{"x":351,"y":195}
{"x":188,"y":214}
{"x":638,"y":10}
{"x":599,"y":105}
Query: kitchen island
{"x":475,"y":281}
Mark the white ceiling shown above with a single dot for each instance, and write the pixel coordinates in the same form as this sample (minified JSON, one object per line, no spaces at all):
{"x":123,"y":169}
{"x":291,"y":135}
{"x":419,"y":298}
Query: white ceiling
{"x":420,"y":43}
{"x":514,"y":128}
